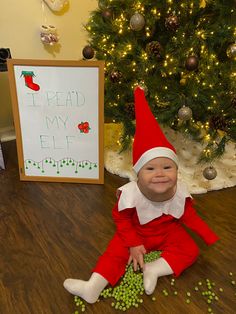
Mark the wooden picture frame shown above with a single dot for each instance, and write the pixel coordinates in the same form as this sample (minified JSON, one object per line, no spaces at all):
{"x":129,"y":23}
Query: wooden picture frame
{"x":58,"y":111}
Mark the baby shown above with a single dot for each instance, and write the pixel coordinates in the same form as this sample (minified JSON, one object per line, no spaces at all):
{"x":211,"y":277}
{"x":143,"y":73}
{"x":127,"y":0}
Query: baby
{"x":149,"y":215}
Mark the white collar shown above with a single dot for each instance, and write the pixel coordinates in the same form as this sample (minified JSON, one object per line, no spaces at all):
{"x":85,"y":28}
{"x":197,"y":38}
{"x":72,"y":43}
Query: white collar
{"x":147,"y":210}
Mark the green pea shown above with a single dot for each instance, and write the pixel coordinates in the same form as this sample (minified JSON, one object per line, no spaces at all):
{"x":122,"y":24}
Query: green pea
{"x":128,"y":292}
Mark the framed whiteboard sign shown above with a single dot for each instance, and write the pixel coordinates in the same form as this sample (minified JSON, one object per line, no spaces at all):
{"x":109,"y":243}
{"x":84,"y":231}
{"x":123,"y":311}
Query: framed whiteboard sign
{"x":58,"y":116}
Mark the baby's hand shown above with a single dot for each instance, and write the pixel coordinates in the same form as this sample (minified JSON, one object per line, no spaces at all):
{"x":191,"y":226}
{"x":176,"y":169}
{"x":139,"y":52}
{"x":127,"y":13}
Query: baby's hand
{"x":136,"y":256}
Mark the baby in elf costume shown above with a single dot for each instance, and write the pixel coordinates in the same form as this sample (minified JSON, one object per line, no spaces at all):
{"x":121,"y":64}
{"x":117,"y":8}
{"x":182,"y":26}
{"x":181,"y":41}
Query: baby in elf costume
{"x":149,"y":215}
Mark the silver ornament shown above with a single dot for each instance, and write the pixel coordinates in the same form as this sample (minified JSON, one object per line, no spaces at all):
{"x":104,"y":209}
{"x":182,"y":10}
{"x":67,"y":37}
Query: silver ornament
{"x":137,"y":22}
{"x":185,"y":113}
{"x":231,"y":51}
{"x":209,"y":173}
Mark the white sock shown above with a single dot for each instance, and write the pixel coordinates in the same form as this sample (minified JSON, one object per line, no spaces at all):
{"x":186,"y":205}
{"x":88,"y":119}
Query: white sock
{"x":152,"y":271}
{"x":87,"y":290}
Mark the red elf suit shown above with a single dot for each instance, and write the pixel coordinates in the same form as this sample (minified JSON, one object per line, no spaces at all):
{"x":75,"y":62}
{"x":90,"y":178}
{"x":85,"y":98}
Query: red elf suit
{"x":156,"y":225}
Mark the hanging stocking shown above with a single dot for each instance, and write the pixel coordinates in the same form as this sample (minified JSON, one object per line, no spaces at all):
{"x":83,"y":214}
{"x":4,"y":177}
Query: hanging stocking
{"x":28,"y":75}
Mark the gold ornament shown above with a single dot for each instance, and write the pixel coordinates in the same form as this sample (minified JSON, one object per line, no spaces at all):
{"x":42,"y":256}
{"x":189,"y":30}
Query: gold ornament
{"x":231,"y":51}
{"x":202,"y":4}
{"x":221,"y":133}
{"x":137,"y":22}
{"x":185,"y":113}
{"x":183,"y":81}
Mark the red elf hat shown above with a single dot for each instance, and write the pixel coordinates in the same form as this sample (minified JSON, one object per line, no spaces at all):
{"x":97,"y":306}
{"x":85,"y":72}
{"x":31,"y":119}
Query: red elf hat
{"x":149,"y":140}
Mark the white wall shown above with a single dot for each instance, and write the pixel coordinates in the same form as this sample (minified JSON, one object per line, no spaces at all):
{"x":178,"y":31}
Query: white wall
{"x":20,"y":23}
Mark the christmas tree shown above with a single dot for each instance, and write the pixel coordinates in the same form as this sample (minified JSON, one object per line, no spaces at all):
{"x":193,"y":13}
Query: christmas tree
{"x":183,"y":53}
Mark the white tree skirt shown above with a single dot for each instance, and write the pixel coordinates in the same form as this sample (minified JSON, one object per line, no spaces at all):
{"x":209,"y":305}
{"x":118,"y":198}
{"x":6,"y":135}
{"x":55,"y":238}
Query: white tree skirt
{"x":120,"y":163}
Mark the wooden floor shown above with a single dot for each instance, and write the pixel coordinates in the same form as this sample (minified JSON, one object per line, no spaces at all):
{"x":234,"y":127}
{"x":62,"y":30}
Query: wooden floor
{"x":51,"y":231}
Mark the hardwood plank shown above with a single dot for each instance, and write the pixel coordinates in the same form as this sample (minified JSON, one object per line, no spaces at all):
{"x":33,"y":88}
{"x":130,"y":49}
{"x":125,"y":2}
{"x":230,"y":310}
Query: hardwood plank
{"x":51,"y":231}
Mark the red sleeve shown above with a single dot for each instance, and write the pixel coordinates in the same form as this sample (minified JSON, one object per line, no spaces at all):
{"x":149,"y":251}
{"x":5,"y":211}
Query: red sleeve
{"x":125,"y":227}
{"x":191,"y":219}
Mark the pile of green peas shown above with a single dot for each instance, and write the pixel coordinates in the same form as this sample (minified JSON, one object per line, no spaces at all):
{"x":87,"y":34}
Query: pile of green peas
{"x":128,"y":293}
{"x":80,"y":305}
{"x":130,"y":289}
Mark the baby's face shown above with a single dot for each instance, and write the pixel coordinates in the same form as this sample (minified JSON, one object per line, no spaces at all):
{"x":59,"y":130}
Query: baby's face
{"x":157,"y":179}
